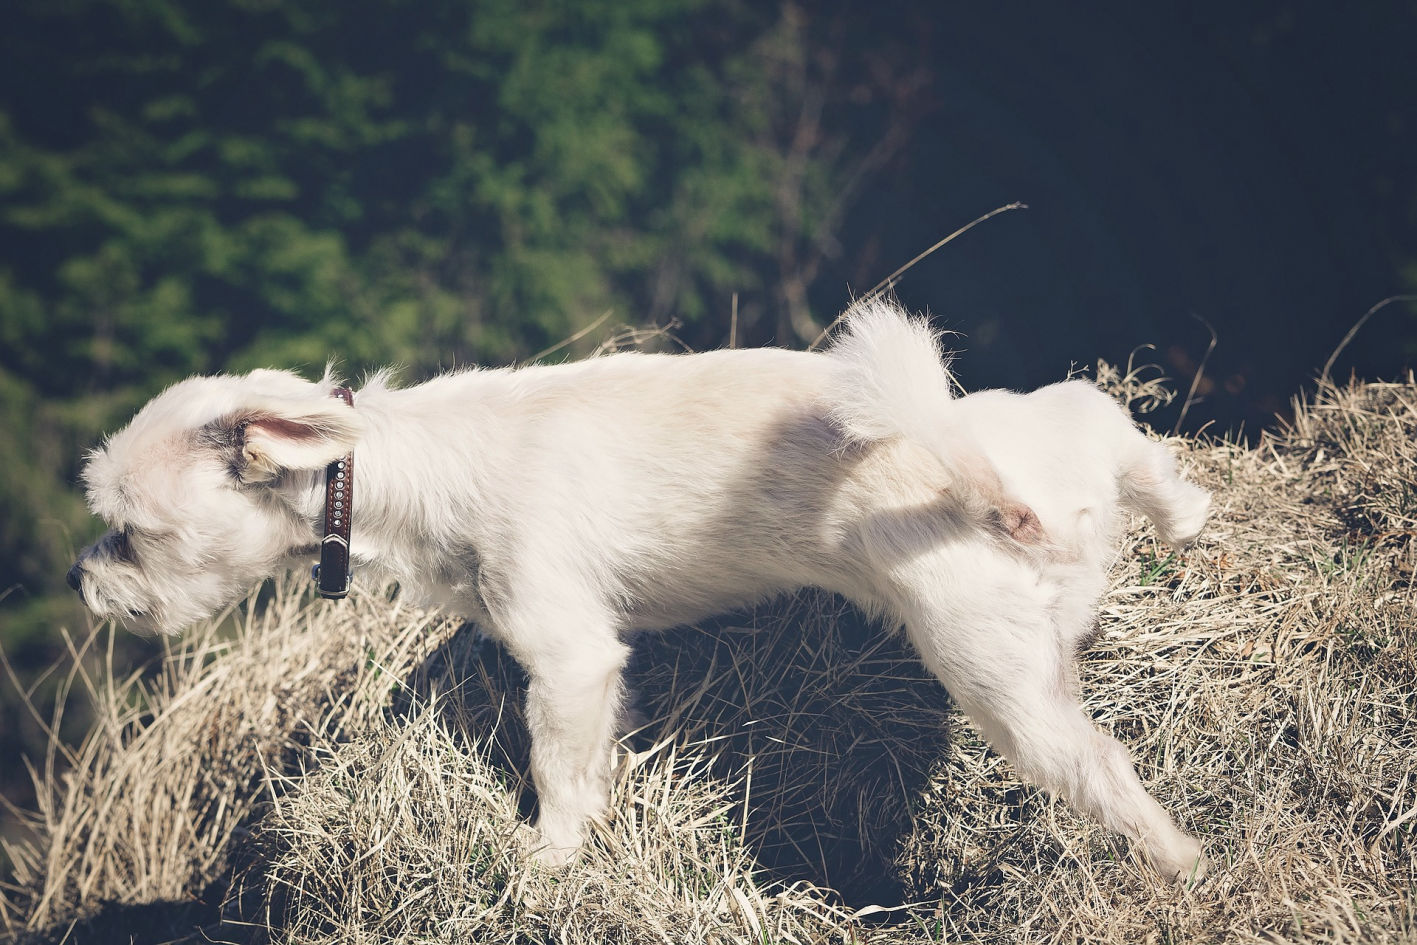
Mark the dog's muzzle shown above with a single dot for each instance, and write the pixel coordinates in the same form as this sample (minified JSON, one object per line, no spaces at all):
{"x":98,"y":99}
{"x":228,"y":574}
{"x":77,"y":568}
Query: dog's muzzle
{"x":75,"y":577}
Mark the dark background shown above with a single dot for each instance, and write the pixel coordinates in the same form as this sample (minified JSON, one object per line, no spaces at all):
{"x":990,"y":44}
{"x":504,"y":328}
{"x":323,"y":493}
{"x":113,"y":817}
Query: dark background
{"x":192,"y":187}
{"x":1254,"y":165}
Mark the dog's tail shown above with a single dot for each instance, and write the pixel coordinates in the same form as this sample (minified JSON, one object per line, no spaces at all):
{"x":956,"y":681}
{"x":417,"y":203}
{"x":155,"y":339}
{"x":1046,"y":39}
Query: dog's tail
{"x":892,"y":381}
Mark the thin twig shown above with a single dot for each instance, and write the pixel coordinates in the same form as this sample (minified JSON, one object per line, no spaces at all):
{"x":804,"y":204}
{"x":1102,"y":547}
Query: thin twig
{"x":733,"y":324}
{"x":1328,"y":365}
{"x":886,"y":284}
{"x":574,"y":338}
{"x":1200,"y":372}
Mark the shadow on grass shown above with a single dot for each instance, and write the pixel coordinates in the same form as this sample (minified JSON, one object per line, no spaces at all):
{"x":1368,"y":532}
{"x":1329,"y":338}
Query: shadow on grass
{"x":825,"y":721}
{"x":188,"y":922}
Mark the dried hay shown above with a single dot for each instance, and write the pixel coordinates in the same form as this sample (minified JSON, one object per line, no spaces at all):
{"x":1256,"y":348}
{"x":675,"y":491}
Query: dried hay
{"x":356,"y":773}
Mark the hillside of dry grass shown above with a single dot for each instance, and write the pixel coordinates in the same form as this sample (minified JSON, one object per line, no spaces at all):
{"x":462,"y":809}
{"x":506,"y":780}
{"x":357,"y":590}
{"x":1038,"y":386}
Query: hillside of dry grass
{"x":356,"y":773}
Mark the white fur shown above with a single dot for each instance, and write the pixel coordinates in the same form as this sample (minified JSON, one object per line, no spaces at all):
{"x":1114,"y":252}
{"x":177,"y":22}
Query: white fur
{"x":564,"y":507}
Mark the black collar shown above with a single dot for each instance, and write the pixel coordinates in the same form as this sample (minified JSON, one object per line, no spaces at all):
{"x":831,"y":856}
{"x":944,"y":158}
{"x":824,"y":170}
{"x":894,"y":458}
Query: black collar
{"x":333,"y":572}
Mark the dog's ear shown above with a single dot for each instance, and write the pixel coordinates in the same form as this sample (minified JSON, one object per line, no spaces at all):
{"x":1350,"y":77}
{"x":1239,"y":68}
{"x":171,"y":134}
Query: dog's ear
{"x":277,"y":434}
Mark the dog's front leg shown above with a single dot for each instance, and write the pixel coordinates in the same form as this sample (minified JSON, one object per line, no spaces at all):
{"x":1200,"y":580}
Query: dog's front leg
{"x":573,"y":702}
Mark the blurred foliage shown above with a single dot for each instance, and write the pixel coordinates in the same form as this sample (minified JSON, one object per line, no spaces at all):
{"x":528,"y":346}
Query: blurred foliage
{"x":199,"y":187}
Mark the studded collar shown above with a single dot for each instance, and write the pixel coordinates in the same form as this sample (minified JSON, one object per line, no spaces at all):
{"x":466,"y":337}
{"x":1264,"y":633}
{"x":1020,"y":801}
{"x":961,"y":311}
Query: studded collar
{"x":332,"y":574}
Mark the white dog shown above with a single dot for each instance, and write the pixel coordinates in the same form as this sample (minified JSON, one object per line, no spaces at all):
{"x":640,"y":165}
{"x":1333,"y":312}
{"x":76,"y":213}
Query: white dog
{"x":565,"y":507}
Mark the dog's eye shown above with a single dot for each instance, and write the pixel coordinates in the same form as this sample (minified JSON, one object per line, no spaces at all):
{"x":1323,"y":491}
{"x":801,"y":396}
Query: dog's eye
{"x":122,"y":545}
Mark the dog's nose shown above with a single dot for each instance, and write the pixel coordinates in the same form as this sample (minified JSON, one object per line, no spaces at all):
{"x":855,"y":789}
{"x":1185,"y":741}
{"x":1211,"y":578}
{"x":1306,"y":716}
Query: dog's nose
{"x":75,"y":577}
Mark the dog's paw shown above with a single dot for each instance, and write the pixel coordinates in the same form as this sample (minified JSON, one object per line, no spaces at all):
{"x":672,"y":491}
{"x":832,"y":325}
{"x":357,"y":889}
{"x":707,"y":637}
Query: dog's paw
{"x":543,"y":852}
{"x":1198,"y":871}
{"x":1185,"y":527}
{"x":1186,"y":865}
{"x":554,"y":858}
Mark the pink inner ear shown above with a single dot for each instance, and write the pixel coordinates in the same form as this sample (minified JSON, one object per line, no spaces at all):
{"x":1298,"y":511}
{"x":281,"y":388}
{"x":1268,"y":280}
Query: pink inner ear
{"x":285,"y":429}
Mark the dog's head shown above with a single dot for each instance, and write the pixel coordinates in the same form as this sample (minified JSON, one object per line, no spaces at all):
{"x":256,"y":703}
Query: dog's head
{"x":197,"y":493}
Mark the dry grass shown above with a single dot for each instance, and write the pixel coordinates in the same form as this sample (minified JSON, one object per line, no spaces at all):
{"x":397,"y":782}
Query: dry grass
{"x":354,"y":773}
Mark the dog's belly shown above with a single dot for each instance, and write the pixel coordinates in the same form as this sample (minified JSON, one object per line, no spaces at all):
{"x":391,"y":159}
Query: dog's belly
{"x":662,"y":614}
{"x":686,"y":597}
{"x":814,"y":514}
